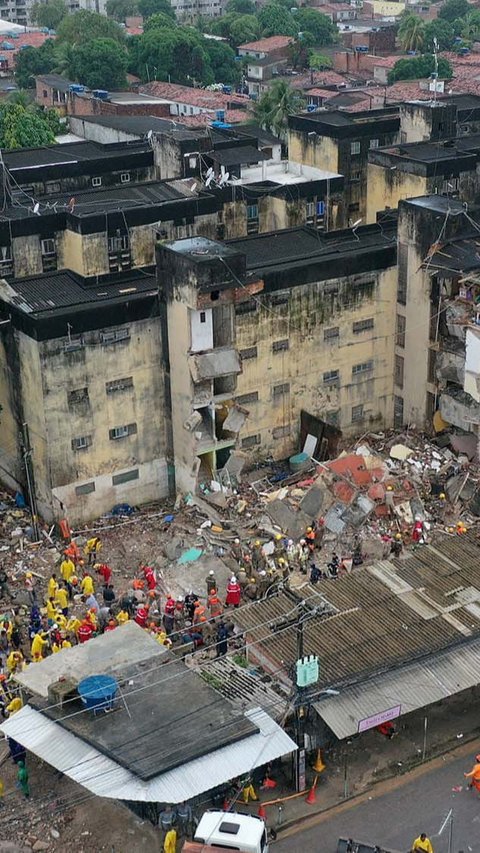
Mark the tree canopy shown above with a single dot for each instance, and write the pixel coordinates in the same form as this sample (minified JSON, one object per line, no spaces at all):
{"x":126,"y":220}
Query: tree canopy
{"x":276,"y":20}
{"x":418,"y":67}
{"x":48,"y":14}
{"x":178,"y":54}
{"x":159,"y":21}
{"x":318,"y":25}
{"x":33,"y":61}
{"x":442,"y":31}
{"x":411,"y":32}
{"x":225,"y":68}
{"x":83,"y":26}
{"x":453,"y":9}
{"x":119,"y":10}
{"x":100,"y":64}
{"x":241,"y":7}
{"x":147,"y":8}
{"x":275,"y":105}
{"x":24,"y":127}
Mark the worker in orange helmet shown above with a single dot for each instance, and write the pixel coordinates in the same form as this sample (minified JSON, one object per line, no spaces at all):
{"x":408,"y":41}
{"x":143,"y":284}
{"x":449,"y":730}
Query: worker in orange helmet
{"x":199,"y":613}
{"x":214,"y":604}
{"x":474,"y":774}
{"x":310,"y":537}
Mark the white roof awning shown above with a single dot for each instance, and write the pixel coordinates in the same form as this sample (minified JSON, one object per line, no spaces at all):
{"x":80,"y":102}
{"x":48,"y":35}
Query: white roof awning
{"x":399,"y":692}
{"x":105,"y":778}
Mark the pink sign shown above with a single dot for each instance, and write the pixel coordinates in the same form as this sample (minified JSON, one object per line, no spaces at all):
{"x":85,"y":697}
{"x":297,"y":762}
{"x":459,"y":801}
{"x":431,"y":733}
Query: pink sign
{"x":378,"y":719}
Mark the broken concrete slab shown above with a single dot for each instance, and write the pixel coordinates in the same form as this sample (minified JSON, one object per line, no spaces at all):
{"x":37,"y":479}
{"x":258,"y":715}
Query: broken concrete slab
{"x":210,"y":365}
{"x":292,"y":523}
{"x":313,"y":504}
{"x":400,"y":452}
{"x":235,"y":419}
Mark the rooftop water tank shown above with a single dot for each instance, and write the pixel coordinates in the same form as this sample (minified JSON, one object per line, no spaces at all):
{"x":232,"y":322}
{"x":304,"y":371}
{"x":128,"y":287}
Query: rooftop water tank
{"x":102,"y":94}
{"x":98,"y":692}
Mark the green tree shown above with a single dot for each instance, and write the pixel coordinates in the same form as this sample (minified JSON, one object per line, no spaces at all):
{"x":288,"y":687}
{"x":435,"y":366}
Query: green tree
{"x":273,"y":108}
{"x":275,"y":20}
{"x":83,"y":27}
{"x":243,"y":29}
{"x":147,"y":8}
{"x":23,"y":128}
{"x":159,"y":21}
{"x":121,"y":9}
{"x":53,"y":121}
{"x":299,"y":50}
{"x":176,"y":54}
{"x":453,"y":9}
{"x":100,"y":64}
{"x":471,"y":26}
{"x":440,"y":30}
{"x":33,"y":61}
{"x":319,"y":62}
{"x":225,"y":68}
{"x":411,"y":32}
{"x":241,"y":7}
{"x":419,"y":67}
{"x":318,"y":25}
{"x":48,"y":14}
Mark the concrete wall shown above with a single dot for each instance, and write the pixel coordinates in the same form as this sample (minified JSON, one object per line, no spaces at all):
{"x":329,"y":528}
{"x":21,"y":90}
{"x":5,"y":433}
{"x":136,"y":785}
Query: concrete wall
{"x":387,"y":186}
{"x":308,"y":312}
{"x":318,"y":151}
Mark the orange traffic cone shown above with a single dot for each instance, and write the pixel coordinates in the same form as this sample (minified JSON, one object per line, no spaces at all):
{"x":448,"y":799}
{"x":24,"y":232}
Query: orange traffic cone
{"x":319,"y":766}
{"x":261,"y":811}
{"x":226,"y":805}
{"x":311,"y":797}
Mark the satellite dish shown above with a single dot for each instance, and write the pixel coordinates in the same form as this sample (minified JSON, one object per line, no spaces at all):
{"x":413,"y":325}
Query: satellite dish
{"x":210,"y":172}
{"x":149,"y":135}
{"x":224,"y":179}
{"x":209,"y":180}
{"x":193,"y":187}
{"x":36,"y":208}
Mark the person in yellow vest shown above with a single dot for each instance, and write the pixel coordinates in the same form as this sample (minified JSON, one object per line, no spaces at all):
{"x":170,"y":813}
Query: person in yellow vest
{"x":66,"y":644}
{"x":62,"y":599}
{"x":67,"y":571}
{"x":422,"y":844}
{"x":73,"y":625}
{"x":15,"y":662}
{"x":87,"y":586}
{"x":92,"y":548}
{"x":61,"y":621}
{"x":122,"y":617}
{"x":39,"y":644}
{"x":52,"y":586}
{"x":14,"y":706}
{"x":170,"y":843}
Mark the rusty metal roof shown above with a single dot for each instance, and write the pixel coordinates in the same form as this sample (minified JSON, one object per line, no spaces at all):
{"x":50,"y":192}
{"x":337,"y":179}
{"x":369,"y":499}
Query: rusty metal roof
{"x":388,"y":614}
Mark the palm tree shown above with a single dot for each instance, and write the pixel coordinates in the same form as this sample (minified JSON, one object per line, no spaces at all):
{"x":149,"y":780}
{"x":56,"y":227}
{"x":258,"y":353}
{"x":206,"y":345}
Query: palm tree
{"x":274,"y":107}
{"x":64,"y":58}
{"x":411,"y":32}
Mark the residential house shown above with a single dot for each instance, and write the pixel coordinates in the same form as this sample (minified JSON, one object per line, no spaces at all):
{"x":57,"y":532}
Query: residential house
{"x":265,"y":60}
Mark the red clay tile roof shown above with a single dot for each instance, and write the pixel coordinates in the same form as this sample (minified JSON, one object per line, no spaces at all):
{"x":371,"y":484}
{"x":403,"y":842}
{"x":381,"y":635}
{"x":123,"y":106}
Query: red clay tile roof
{"x":30,"y":39}
{"x":231,"y":117}
{"x":265,"y":45}
{"x":194,"y":97}
{"x":317,"y":79}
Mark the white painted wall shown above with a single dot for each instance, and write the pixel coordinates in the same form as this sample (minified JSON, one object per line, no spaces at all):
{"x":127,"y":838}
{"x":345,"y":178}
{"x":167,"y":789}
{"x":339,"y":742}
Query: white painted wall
{"x":472,"y":363}
{"x":201,"y":330}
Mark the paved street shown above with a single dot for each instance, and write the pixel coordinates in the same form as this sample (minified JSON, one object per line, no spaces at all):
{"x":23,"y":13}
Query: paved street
{"x":392,"y":819}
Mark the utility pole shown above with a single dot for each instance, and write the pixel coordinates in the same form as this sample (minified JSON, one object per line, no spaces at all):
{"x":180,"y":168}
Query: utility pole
{"x":27,"y":459}
{"x":300,"y":709}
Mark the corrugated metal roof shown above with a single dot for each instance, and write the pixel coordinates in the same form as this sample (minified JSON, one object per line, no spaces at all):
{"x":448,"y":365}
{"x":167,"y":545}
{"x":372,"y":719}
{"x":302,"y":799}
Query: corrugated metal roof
{"x":243,"y":688}
{"x":412,"y":687}
{"x":105,"y":778}
{"x":128,"y":644}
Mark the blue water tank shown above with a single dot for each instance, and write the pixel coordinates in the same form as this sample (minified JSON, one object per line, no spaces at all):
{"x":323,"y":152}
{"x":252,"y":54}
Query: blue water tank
{"x":98,"y":692}
{"x":220,"y":115}
{"x":102,"y":94}
{"x":76,"y":87}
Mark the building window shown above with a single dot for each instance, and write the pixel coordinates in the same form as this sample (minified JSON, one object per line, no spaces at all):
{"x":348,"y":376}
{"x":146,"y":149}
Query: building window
{"x":332,"y":378}
{"x":450,"y":185}
{"x":252,"y":219}
{"x":400,"y":330}
{"x":333,"y":417}
{"x":246,"y":307}
{"x":398,"y":412}
{"x":52,"y":187}
{"x":122,"y":431}
{"x":203,"y":317}
{"x":374,"y":143}
{"x":247,"y":398}
{"x":354,"y":148}
{"x":331,"y":334}
{"x":364,"y":367}
{"x":251,"y":440}
{"x":126,"y":477}
{"x":115,"y":336}
{"x":78,"y":396}
{"x":119,"y":385}
{"x":399,"y":367}
{"x":6,"y":260}
{"x":280,"y":346}
{"x":96,"y":182}
{"x":250,"y":352}
{"x":402,"y":280}
{"x":281,"y":431}
{"x":125,"y":178}
{"x":48,"y":246}
{"x":81,"y":443}
{"x":118,"y":243}
{"x":281,"y":390}
{"x":49,"y":254}
{"x":252,"y":211}
{"x":85,"y":489}
{"x":362,"y":325}
{"x":74,"y":342}
{"x":355,"y":177}
{"x":354,"y":207}
{"x":277,"y":299}
{"x":357,"y":413}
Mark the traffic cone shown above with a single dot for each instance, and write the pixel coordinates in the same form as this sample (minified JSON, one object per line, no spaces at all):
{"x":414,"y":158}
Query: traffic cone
{"x":226,"y":805}
{"x":261,"y":811}
{"x":311,"y":797}
{"x":319,"y":766}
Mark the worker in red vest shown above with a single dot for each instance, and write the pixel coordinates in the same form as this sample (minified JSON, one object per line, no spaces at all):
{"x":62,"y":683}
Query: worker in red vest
{"x":169,"y":614}
{"x":150,"y":577}
{"x":141,"y":616}
{"x":85,"y":632}
{"x":234,"y":592}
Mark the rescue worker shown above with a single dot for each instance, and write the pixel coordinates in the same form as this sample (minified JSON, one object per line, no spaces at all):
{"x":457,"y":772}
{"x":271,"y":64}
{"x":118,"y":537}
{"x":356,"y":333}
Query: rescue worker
{"x":251,"y":589}
{"x":237,"y":551}
{"x":122,"y":616}
{"x":190,"y":600}
{"x":422,"y":844}
{"x":62,"y":599}
{"x":67,"y":571}
{"x":214,"y":604}
{"x":303,"y":554}
{"x":474,"y":774}
{"x":15,"y":705}
{"x":85,"y":631}
{"x":51,"y":611}
{"x":169,"y":614}
{"x":92,"y":548}
{"x":278,"y":546}
{"x":105,"y":572}
{"x":210,"y":581}
{"x":52,"y":586}
{"x":39,"y":643}
{"x":185,"y":819}
{"x":150,"y":578}
{"x":233,"y":592}
{"x":291,"y":555}
{"x":15,"y":662}
{"x":87,"y":585}
{"x":257,"y":556}
{"x":141,"y":616}
{"x":283,"y":567}
{"x":199,"y":613}
{"x":222,"y":639}
{"x":248,"y":791}
{"x":170,"y":843}
{"x":30,"y":588}
{"x":310,"y":538}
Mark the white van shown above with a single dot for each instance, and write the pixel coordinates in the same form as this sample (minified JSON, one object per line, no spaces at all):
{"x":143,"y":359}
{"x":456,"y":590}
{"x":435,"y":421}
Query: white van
{"x":231,"y":831}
